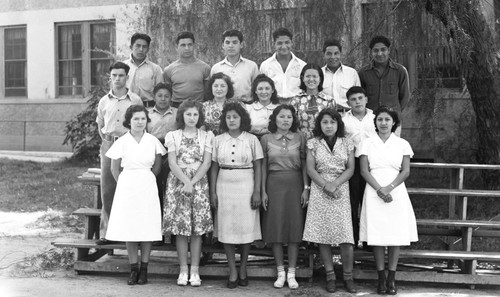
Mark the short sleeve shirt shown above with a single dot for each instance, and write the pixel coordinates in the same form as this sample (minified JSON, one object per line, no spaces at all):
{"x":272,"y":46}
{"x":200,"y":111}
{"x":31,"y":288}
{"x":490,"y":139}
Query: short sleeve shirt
{"x":237,"y":152}
{"x":187,"y":80}
{"x":284,"y":152}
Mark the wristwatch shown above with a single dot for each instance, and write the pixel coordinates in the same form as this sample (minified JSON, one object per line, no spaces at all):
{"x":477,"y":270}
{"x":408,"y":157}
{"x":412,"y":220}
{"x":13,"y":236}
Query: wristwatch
{"x":307,"y":187}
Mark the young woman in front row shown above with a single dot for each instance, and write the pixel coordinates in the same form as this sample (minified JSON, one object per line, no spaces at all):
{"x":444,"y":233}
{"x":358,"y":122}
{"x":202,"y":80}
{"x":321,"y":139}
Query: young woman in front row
{"x":330,"y":164}
{"x":135,"y":216}
{"x":187,"y":204}
{"x":284,"y":195}
{"x":235,"y":183}
{"x":387,"y":217}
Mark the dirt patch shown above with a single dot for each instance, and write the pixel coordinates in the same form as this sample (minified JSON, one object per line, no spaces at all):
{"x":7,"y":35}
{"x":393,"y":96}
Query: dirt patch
{"x":30,"y":266}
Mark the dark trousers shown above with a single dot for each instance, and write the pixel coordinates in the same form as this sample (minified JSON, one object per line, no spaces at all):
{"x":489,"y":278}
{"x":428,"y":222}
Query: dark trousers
{"x":161,"y":180}
{"x":357,"y":186}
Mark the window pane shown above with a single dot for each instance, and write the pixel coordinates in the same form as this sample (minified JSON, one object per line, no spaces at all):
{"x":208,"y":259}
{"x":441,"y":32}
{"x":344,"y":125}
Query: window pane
{"x":15,"y":44}
{"x":100,"y":72}
{"x":102,"y":40}
{"x":70,"y":78}
{"x":15,"y":61}
{"x":70,"y":42}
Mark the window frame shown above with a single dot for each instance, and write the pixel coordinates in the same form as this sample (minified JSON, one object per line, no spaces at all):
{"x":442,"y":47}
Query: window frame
{"x":86,"y":57}
{"x":3,"y":69}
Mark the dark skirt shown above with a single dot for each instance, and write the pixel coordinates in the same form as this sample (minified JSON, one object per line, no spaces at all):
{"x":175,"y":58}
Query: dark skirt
{"x":283,"y":222}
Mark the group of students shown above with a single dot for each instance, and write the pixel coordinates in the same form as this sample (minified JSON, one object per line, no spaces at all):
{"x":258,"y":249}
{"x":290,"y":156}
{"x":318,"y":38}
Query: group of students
{"x":262,"y":166}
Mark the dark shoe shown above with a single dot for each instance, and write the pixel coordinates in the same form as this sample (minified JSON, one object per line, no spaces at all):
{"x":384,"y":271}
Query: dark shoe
{"x":243,"y":282}
{"x":158,"y":243}
{"x":349,"y":286}
{"x":391,"y":287}
{"x":381,"y":288}
{"x":232,"y":284}
{"x":132,"y":279}
{"x":330,"y":286}
{"x":143,"y":277}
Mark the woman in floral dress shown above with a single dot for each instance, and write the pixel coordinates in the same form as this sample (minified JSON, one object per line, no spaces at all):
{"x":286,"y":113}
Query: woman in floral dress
{"x":221,"y":90}
{"x":187,"y":205}
{"x":311,"y":100}
{"x":330,"y":165}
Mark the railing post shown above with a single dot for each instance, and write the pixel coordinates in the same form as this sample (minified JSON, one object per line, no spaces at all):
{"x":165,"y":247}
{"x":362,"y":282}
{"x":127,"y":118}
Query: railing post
{"x":24,"y":136}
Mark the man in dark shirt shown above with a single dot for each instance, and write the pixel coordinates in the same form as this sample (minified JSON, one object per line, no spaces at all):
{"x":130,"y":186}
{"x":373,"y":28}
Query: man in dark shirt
{"x":385,"y":81}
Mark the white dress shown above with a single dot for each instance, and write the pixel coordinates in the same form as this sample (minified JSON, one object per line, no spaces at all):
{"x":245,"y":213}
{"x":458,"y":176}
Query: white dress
{"x":394,"y":223}
{"x":135,"y":214}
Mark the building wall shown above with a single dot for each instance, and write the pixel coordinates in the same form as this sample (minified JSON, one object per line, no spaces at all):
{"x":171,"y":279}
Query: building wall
{"x":36,"y":122}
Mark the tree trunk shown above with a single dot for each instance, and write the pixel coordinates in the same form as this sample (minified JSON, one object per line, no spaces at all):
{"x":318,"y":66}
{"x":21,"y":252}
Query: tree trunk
{"x":474,"y":42}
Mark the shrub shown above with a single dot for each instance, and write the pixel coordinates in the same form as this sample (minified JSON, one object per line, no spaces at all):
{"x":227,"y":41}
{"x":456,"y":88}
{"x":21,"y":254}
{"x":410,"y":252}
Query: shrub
{"x":82,"y":131}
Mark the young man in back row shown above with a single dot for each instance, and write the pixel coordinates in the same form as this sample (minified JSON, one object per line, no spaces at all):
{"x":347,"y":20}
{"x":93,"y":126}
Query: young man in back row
{"x":110,"y":116}
{"x":359,"y":125}
{"x":241,"y":71}
{"x":283,"y":67}
{"x":188,"y":76}
{"x":144,"y":75}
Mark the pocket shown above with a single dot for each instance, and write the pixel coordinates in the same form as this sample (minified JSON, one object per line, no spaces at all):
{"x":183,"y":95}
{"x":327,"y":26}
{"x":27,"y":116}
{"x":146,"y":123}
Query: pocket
{"x":393,"y":88}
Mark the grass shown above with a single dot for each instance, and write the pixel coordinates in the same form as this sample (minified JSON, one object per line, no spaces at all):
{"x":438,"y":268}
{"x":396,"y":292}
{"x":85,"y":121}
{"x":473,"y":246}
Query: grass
{"x":29,"y":186}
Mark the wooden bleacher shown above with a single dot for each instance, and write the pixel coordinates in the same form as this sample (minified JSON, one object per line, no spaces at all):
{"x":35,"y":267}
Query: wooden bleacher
{"x":92,"y":257}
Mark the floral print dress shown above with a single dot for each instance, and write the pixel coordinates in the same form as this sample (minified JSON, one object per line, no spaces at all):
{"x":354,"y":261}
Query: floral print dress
{"x":308,"y":107}
{"x":187,"y":214}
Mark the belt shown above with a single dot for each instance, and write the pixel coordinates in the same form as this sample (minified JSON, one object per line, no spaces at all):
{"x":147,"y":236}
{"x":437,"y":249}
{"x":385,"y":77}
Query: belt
{"x":233,"y":168}
{"x":110,"y":138}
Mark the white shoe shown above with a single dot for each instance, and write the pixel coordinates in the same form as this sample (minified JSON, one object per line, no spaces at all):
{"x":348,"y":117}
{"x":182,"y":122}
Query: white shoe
{"x":182,"y":280}
{"x":195,"y":280}
{"x":280,"y":282}
{"x":292,"y":282}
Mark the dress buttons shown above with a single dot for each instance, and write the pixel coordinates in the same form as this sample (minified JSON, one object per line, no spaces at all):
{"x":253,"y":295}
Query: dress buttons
{"x":234,"y":145}
{"x":232,"y":153}
{"x":232,"y":161}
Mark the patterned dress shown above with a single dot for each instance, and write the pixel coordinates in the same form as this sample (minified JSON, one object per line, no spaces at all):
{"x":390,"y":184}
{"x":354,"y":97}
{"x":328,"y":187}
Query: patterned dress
{"x":308,"y":107}
{"x":212,"y":113}
{"x":187,"y":214}
{"x":328,"y":218}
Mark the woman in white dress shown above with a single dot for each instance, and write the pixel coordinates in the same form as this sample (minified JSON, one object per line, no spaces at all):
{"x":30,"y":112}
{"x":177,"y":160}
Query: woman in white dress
{"x":136,"y":216}
{"x":387,"y":217}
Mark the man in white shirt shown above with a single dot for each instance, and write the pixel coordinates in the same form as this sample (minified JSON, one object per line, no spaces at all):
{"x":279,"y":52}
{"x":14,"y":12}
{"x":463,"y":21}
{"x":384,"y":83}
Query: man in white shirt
{"x":338,"y":77}
{"x":359,"y":126}
{"x":283,"y":67}
{"x":144,"y":74}
{"x":241,"y":71}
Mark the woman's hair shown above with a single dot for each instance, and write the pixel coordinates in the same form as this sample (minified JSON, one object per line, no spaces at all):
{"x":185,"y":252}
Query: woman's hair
{"x":303,"y":72}
{"x":264,"y":78}
{"x":182,"y":109}
{"x":245,"y":124}
{"x":317,"y":132}
{"x":227,"y":79}
{"x":394,"y":115}
{"x":130,"y":112}
{"x":272,"y":119}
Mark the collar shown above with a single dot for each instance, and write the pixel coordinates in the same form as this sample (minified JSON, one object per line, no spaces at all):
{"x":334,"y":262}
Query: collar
{"x":320,"y":95}
{"x":226,"y":61}
{"x":146,"y":61}
{"x":391,"y":64}
{"x":293,"y":57}
{"x":368,"y":112}
{"x":288,"y":136}
{"x":258,"y":106}
{"x":168,"y":111}
{"x":326,"y":69}
{"x":227,"y":137}
{"x":112,"y":96}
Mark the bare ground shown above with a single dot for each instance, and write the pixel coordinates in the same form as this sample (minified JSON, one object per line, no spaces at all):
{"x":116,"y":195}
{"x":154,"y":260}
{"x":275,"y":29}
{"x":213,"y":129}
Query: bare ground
{"x":25,"y":254}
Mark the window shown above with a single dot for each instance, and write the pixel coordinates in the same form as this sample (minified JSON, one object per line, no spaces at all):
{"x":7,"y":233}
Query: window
{"x":15,"y":61}
{"x":84,"y":53}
